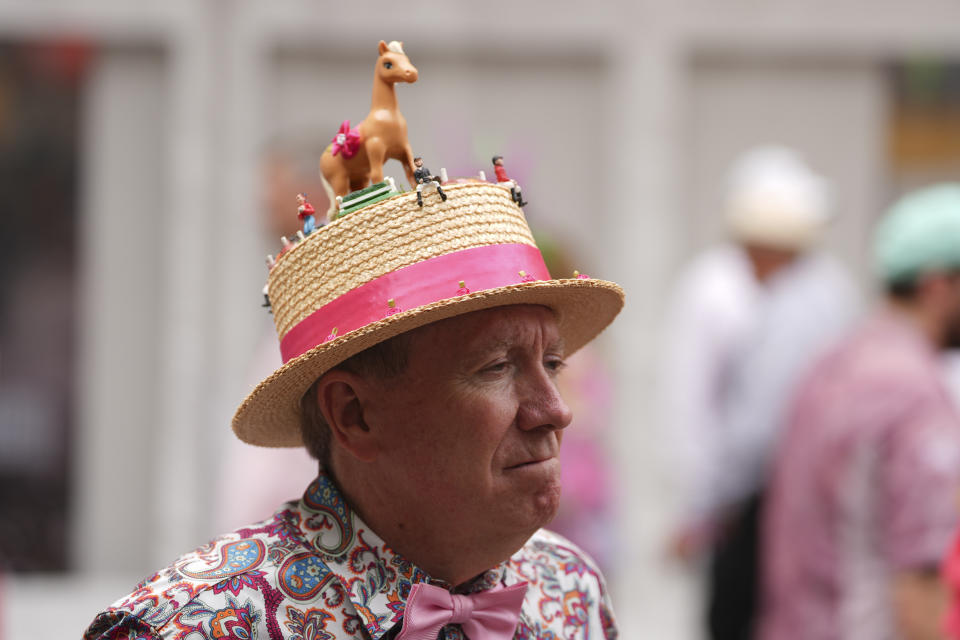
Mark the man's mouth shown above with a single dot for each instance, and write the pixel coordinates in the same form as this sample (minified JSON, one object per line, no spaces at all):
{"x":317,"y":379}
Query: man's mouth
{"x":530,"y":462}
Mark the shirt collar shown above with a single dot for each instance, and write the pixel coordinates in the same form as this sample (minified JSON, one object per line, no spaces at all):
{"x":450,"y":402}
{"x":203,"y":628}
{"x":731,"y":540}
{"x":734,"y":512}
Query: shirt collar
{"x":377,"y":580}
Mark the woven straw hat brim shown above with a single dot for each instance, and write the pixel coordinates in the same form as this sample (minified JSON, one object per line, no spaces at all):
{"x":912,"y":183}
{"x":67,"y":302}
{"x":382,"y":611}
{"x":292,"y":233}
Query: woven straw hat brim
{"x":270,"y":415}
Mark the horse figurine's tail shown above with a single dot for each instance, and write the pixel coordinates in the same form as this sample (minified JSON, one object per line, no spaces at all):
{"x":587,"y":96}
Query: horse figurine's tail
{"x":332,"y":211}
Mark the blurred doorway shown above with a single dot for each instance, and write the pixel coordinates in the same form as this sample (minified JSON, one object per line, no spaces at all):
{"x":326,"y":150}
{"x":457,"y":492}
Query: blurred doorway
{"x":39,"y":122}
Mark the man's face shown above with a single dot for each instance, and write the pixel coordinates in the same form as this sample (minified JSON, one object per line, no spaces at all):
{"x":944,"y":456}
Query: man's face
{"x":418,"y":162}
{"x":473,"y":426}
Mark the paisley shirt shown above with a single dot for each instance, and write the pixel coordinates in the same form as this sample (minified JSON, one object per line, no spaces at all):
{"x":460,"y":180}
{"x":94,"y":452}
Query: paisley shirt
{"x":315,"y":571}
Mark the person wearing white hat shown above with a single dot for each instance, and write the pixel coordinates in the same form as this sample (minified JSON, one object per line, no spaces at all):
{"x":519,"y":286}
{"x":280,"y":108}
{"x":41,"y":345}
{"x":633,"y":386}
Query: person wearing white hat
{"x":747,"y":318}
{"x":863,"y":502}
{"x":421,"y":346}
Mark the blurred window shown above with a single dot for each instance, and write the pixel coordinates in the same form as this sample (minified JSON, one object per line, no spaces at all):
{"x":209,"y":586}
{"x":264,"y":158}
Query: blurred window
{"x":924,"y":134}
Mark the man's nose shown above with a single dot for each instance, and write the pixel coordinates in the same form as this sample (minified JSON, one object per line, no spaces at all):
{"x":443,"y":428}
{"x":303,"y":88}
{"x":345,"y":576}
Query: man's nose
{"x":541,"y":404}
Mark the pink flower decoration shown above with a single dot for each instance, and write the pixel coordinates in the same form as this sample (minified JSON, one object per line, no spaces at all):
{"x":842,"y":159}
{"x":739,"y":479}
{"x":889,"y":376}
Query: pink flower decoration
{"x":347,"y":141}
{"x":526,"y":277}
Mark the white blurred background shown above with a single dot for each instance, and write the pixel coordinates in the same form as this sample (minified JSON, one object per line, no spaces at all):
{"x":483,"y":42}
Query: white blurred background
{"x":138,"y":144}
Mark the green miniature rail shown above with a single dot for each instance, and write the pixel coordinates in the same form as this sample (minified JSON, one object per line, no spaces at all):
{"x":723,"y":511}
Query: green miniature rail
{"x":366,"y":197}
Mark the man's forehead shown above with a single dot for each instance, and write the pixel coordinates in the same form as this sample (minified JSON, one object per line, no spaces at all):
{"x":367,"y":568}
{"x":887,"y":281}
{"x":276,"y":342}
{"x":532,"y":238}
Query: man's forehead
{"x":499,"y":324}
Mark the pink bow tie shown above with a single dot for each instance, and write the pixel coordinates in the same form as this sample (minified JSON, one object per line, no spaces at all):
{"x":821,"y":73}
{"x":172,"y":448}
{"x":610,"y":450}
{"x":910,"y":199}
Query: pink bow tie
{"x":487,"y":615}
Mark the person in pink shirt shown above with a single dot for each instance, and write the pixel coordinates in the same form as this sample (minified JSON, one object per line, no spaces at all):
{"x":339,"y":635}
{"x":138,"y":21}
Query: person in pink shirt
{"x":864,"y":495}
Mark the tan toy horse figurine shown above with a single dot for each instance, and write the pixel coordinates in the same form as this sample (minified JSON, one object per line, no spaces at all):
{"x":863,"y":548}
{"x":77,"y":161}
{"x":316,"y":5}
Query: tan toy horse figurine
{"x":355,"y":157}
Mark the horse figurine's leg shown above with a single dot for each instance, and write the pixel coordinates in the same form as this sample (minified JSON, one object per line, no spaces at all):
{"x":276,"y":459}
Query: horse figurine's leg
{"x":332,"y":196}
{"x":376,"y":153}
{"x":336,"y":181}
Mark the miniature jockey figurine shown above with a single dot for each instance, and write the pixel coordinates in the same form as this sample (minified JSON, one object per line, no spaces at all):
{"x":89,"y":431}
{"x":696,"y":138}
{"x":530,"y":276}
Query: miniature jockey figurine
{"x":266,"y":287}
{"x":424,"y":179}
{"x":305,"y":212}
{"x":515,"y":192}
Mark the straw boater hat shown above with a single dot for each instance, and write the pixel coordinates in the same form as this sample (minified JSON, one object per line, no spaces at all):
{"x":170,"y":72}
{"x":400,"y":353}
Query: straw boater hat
{"x":393,"y":266}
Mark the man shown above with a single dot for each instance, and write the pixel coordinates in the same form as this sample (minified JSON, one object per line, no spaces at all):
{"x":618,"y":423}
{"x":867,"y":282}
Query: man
{"x":425,"y":179}
{"x":502,"y":178}
{"x":864,"y":498}
{"x":306,"y":213}
{"x":740,"y":335}
{"x":435,"y":417}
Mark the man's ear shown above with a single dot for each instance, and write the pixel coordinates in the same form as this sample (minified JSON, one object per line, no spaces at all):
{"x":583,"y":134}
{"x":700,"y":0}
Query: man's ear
{"x":340,"y":397}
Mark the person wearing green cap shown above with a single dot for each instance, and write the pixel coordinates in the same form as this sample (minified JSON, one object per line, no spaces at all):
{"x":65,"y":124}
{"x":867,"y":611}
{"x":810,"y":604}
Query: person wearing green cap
{"x":920,"y":235}
{"x":863,"y":503}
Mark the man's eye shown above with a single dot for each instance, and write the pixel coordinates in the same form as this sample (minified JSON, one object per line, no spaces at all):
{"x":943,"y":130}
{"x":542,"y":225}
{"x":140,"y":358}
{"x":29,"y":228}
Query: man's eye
{"x":555,"y":364}
{"x":388,"y":65}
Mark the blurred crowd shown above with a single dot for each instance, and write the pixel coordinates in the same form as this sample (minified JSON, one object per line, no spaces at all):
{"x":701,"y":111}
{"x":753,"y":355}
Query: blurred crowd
{"x":817,"y":439}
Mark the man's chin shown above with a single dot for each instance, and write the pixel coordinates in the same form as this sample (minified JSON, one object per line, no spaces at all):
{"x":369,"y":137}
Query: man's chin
{"x":532,"y":494}
{"x":546,"y":503}
{"x":540,"y":515}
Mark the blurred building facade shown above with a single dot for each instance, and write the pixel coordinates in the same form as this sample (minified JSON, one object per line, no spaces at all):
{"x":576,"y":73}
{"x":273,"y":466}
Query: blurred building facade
{"x":618,"y":119}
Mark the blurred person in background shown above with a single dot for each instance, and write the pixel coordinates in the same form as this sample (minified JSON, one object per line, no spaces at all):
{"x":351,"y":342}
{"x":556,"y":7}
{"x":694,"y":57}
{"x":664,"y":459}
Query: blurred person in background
{"x":747,"y":319}
{"x":288,"y":168}
{"x":863,"y":501}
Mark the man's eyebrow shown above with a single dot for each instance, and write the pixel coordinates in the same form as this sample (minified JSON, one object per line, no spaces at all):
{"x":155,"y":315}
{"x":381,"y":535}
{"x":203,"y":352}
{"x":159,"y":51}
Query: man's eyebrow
{"x":555,"y":346}
{"x":506,"y":343}
{"x":496,"y":344}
